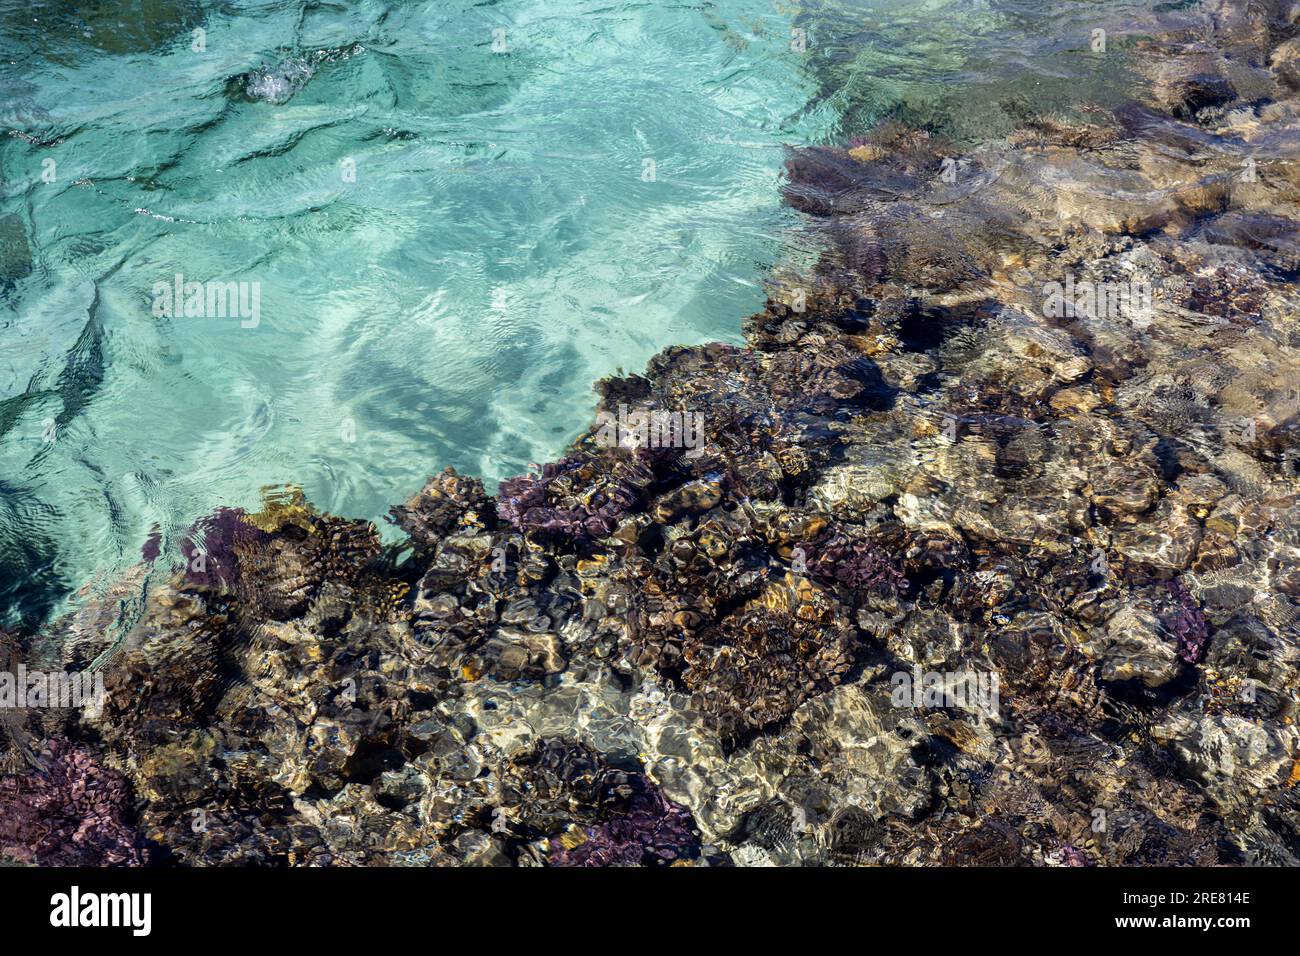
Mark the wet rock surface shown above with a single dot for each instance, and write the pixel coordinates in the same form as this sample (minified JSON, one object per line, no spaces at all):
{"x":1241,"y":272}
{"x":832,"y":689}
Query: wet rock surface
{"x":988,"y":556}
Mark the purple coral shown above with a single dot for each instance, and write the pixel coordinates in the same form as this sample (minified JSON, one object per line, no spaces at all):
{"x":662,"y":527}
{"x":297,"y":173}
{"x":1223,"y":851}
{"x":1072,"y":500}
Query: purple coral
{"x":1070,"y":855}
{"x":152,"y":546}
{"x":836,"y":558}
{"x":650,"y":831}
{"x":573,"y":497}
{"x":220,"y":533}
{"x":73,"y":814}
{"x":1184,"y":622}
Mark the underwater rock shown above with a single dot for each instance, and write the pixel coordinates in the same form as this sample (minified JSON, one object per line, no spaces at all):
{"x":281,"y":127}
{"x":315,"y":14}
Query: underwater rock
{"x":150,"y":26}
{"x":1137,"y":648}
{"x":632,"y":822}
{"x":650,"y":831}
{"x":1185,"y":623}
{"x":72,"y":812}
{"x":1286,"y":62}
{"x":573,"y":498}
{"x":16,"y":749}
{"x":447,"y":503}
{"x":15,"y":252}
{"x":275,"y":84}
{"x":754,"y":667}
{"x":856,"y":564}
{"x":1236,"y":759}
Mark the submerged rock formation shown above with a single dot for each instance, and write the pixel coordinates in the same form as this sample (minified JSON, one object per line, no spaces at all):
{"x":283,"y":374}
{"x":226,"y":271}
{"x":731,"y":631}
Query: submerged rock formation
{"x":1030,"y":428}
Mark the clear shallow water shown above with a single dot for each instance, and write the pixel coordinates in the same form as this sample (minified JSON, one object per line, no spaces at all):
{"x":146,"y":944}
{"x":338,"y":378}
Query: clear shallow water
{"x":970,"y":69}
{"x":501,"y":246}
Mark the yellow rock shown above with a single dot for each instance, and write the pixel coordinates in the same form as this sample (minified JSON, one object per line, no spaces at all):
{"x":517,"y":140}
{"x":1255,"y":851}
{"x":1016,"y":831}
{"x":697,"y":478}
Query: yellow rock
{"x":282,"y":505}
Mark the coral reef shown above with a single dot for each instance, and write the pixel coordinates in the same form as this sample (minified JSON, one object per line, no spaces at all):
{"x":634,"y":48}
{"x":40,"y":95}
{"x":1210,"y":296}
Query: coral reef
{"x":69,"y":813}
{"x":560,"y":784}
{"x":1031,"y":430}
{"x":573,"y":498}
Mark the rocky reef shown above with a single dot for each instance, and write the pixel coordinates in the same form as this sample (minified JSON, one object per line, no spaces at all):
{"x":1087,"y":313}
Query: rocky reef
{"x":1031,"y":426}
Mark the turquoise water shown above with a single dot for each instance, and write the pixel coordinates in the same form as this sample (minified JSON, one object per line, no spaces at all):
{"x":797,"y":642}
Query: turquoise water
{"x":452,"y":217}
